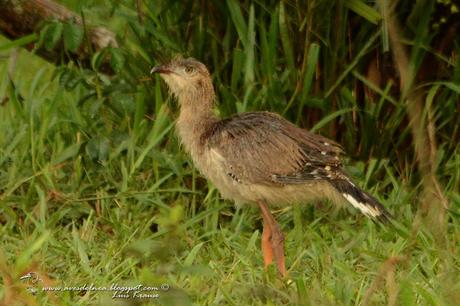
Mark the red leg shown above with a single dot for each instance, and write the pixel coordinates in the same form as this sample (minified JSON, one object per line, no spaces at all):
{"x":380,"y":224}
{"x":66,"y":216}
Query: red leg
{"x":266,"y":245}
{"x":272,"y":240}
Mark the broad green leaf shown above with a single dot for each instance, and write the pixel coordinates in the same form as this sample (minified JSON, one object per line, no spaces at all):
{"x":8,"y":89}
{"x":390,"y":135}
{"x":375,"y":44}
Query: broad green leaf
{"x":73,"y":36}
{"x":117,"y":59}
{"x":53,"y":34}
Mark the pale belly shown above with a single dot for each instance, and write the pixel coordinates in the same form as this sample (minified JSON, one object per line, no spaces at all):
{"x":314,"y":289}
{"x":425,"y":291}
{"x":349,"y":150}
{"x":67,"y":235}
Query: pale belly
{"x":211,"y":165}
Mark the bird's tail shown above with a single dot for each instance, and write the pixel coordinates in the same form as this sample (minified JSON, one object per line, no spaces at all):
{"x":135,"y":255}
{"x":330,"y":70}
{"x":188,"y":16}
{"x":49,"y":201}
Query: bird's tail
{"x":361,"y":200}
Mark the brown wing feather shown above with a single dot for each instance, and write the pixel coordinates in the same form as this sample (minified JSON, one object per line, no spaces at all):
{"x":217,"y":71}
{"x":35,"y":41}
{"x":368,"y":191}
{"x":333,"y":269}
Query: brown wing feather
{"x":264,"y":148}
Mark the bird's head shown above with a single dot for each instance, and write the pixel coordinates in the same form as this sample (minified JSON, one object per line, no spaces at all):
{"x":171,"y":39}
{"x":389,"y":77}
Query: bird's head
{"x":186,"y":78}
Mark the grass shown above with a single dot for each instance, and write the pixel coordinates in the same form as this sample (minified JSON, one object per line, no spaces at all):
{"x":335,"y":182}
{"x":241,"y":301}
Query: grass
{"x":94,"y":188}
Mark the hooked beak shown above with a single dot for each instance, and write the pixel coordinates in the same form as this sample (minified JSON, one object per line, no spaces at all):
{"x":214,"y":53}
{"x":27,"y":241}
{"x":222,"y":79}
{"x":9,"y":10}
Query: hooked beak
{"x":160,"y":69}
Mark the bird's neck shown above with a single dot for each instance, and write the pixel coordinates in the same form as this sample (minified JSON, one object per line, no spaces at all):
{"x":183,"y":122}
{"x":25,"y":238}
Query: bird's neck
{"x":196,"y":117}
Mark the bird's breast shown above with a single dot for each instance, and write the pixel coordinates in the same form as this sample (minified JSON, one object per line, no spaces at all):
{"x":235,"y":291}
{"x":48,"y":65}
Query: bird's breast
{"x":212,"y":165}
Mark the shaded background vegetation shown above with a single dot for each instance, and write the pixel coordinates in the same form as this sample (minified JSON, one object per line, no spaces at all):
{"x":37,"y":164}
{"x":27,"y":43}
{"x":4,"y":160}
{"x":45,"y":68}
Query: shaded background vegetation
{"x":90,"y":168}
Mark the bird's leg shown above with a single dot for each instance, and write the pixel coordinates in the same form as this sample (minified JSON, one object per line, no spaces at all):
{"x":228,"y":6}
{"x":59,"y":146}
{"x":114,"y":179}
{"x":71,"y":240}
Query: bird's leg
{"x":267,"y":250}
{"x":272,"y":240}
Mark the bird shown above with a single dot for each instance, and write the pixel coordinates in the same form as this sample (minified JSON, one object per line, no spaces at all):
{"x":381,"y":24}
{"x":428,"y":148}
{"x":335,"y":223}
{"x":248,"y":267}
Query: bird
{"x":259,"y":158}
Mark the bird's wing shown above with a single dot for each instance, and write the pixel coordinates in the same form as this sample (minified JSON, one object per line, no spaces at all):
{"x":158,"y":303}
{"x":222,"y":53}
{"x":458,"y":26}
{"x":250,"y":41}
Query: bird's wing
{"x":264,"y":148}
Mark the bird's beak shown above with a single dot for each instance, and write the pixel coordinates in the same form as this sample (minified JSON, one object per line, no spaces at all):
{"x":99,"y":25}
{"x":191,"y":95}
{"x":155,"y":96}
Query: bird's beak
{"x":160,"y":69}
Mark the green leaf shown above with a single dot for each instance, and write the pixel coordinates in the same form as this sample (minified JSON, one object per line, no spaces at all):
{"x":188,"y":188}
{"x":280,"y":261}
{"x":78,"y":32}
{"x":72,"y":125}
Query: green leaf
{"x":452,"y":86}
{"x":98,"y":59}
{"x":33,"y":247}
{"x":73,"y":36}
{"x":250,"y":46}
{"x":176,"y":214}
{"x":97,"y":148}
{"x":80,"y":247}
{"x":329,"y":118}
{"x":312,"y":60}
{"x":117,"y":59}
{"x":368,"y":45}
{"x":363,"y":10}
{"x":237,"y":67}
{"x":69,"y":79}
{"x":406,"y":294}
{"x":19,"y":42}
{"x":302,"y":291}
{"x":53,"y":34}
{"x":238,"y":21}
{"x":286,"y":38}
{"x":192,"y":255}
{"x":68,"y":152}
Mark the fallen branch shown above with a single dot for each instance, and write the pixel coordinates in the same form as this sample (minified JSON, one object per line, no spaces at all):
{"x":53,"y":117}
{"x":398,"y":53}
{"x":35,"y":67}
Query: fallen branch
{"x":19,"y":18}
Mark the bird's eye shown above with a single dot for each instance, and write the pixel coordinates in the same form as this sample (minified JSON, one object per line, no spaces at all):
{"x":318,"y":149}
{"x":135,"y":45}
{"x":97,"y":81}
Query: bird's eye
{"x":189,"y":69}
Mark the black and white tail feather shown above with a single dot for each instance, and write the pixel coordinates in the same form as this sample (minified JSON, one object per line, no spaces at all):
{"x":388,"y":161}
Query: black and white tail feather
{"x":361,"y":200}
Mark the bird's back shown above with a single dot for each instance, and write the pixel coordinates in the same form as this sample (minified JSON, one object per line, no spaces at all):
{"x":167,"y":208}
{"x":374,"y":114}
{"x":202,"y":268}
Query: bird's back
{"x":264,"y":148}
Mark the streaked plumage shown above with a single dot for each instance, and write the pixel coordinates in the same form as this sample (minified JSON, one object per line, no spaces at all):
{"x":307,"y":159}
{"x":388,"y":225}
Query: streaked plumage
{"x":258,"y":157}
